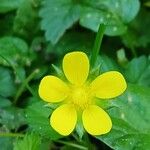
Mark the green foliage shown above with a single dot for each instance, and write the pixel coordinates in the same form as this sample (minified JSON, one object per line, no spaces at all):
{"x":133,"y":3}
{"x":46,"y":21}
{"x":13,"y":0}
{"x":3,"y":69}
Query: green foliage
{"x":29,"y":142}
{"x":7,"y":82}
{"x":15,"y":50}
{"x":134,"y":39}
{"x":115,"y":14}
{"x":34,"y":34}
{"x":9,"y":5}
{"x":138,"y":71}
{"x":26,"y":19}
{"x":38,"y":118}
{"x":130,"y":108}
{"x":65,"y":13}
{"x":130,"y":120}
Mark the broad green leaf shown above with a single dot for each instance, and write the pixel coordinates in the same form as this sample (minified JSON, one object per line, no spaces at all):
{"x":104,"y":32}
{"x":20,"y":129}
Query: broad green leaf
{"x":57,"y":16}
{"x":131,"y":120}
{"x":29,"y":142}
{"x":37,"y":117}
{"x":7,"y":87}
{"x":9,"y":5}
{"x":114,"y":13}
{"x":129,"y":112}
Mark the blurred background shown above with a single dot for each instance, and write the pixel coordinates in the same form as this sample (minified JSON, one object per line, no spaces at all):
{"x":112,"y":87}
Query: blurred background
{"x":34,"y":34}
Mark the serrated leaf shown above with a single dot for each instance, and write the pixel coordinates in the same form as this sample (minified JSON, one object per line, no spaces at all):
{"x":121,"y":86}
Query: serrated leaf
{"x":38,"y":118}
{"x":57,"y":16}
{"x":29,"y":142}
{"x":113,"y":13}
{"x":9,"y":5}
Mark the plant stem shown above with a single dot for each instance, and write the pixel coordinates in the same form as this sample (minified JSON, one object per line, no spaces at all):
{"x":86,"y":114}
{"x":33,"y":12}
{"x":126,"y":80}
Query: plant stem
{"x":97,"y":44}
{"x":25,"y":84}
{"x":11,"y":135}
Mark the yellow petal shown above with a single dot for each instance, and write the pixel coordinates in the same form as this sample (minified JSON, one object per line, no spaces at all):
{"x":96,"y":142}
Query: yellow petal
{"x":52,"y":89}
{"x":64,"y":119}
{"x":76,"y":67}
{"x":96,"y":121}
{"x":109,"y":85}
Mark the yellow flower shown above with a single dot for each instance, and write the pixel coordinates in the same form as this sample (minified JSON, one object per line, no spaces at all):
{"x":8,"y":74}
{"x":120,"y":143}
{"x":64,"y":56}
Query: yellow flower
{"x":78,"y":95}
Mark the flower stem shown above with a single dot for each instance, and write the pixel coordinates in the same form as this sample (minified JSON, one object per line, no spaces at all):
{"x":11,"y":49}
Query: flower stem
{"x":97,"y":44}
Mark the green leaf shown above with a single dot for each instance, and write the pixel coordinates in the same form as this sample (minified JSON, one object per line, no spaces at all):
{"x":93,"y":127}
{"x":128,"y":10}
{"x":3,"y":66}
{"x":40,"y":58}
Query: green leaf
{"x":12,"y":117}
{"x":4,"y":102}
{"x":29,"y":142}
{"x":130,"y":119}
{"x":65,"y":14}
{"x":27,"y":19}
{"x":129,"y":112}
{"x":7,"y":87}
{"x":38,"y":118}
{"x":138,"y":71}
{"x":9,"y":5}
{"x":114,"y":13}
{"x":15,"y":50}
{"x":6,"y":143}
{"x":137,"y":34}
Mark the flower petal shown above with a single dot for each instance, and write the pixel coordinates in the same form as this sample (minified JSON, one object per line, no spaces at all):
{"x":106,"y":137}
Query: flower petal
{"x":64,"y":119}
{"x":52,"y":89}
{"x":76,"y":67}
{"x":96,"y":121}
{"x":109,"y":85}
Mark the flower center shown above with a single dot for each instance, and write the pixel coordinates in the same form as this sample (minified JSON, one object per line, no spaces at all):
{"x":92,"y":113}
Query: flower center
{"x":80,"y":97}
